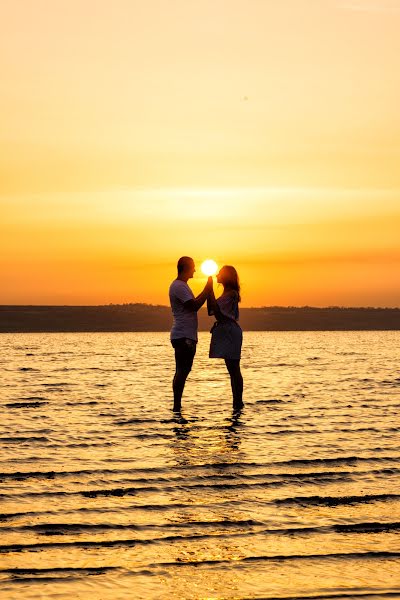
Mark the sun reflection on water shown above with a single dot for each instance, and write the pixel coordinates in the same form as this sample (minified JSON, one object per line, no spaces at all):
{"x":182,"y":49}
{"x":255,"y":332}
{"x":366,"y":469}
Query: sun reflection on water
{"x":219,"y":450}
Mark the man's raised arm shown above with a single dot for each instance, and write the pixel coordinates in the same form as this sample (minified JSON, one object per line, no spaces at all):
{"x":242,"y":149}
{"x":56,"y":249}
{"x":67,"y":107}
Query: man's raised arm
{"x":198,"y":302}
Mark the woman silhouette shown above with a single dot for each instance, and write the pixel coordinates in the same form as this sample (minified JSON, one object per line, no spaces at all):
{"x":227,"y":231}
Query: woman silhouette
{"x":226,"y":339}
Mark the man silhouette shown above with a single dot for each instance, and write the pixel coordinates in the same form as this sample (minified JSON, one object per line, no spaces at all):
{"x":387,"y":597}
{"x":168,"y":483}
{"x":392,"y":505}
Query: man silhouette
{"x":185,"y":324}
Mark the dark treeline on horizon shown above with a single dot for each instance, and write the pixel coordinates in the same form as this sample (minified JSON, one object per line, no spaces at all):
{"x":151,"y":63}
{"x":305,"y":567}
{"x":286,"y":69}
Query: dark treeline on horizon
{"x":148,"y":317}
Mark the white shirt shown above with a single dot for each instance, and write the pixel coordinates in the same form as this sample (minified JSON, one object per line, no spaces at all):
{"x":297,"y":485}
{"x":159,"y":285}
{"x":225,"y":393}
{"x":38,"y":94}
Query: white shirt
{"x":185,"y":323}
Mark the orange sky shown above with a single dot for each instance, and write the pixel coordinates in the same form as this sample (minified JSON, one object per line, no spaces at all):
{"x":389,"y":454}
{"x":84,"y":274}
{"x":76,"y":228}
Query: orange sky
{"x":260,"y":133}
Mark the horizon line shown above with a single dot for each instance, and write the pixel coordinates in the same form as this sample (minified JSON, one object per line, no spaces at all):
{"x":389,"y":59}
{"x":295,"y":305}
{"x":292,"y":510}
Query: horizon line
{"x":149,"y":304}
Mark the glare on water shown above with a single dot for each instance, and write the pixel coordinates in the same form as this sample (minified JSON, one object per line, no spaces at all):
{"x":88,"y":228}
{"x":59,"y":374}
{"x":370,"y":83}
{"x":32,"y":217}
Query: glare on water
{"x":104,"y":491}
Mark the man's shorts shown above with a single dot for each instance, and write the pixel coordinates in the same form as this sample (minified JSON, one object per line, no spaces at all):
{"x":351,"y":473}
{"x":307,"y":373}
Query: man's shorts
{"x":185,"y":350}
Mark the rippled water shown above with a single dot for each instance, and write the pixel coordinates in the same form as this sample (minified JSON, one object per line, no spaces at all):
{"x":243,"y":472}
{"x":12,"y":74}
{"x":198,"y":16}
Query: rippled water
{"x":104,"y":495}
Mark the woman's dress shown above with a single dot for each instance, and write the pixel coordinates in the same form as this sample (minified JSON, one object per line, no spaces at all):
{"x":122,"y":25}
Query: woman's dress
{"x":227,"y":336}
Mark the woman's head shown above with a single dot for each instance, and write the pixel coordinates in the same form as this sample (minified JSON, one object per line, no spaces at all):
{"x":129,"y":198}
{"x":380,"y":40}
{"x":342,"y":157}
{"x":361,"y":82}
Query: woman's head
{"x":229,"y":278}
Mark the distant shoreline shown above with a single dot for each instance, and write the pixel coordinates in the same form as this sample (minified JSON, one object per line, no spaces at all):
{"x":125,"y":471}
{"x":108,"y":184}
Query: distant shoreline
{"x":148,"y":317}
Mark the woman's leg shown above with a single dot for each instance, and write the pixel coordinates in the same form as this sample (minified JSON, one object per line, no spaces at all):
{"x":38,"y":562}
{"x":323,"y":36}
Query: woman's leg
{"x":233,"y":367}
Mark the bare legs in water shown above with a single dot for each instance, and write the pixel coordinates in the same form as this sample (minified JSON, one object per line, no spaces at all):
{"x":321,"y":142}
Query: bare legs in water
{"x":184,"y":355}
{"x":178,"y":385}
{"x":235,"y":374}
{"x":185,"y":350}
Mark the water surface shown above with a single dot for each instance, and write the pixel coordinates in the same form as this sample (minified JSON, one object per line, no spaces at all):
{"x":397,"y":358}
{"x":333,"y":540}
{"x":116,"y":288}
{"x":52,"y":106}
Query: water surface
{"x":104,"y":494}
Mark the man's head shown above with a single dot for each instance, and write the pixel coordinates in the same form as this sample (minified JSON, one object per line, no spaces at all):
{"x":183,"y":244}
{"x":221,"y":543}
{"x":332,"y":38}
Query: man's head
{"x":186,"y":267}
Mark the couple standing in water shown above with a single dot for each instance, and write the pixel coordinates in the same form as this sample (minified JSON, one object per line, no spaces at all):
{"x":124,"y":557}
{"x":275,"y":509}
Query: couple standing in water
{"x":226,"y":339}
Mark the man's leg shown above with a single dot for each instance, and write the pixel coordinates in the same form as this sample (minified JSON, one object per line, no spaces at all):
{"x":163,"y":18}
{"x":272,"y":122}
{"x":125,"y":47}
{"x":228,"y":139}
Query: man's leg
{"x":184,"y":355}
{"x":178,"y":386}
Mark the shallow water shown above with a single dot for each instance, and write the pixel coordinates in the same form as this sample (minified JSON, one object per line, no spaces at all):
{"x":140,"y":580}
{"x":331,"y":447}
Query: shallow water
{"x":105,"y":495}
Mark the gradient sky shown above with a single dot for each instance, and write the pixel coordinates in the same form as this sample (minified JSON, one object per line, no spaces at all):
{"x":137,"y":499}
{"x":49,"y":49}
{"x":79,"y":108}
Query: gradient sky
{"x":261,"y":133}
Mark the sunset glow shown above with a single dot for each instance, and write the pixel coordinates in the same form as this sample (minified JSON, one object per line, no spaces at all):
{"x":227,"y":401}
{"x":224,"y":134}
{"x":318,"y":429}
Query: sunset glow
{"x":264,"y":134}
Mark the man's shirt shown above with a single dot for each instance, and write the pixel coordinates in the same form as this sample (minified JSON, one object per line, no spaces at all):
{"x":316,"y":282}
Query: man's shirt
{"x":185,"y":322}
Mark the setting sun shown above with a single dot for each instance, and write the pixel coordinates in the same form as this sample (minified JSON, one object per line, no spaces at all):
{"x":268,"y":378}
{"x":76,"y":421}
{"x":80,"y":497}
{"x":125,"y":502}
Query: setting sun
{"x":209,"y":267}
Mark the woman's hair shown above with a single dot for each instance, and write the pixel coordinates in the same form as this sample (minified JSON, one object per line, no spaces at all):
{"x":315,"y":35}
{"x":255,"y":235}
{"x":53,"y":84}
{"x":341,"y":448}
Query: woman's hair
{"x":230,"y":279}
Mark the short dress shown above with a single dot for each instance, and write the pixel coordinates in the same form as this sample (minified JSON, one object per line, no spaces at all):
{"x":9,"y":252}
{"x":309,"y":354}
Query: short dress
{"x":227,"y":335}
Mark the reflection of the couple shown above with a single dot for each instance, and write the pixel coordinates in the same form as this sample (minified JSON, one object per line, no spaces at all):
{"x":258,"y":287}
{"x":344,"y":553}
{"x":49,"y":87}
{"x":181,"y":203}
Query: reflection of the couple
{"x":192,"y":446}
{"x":210,"y":454}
